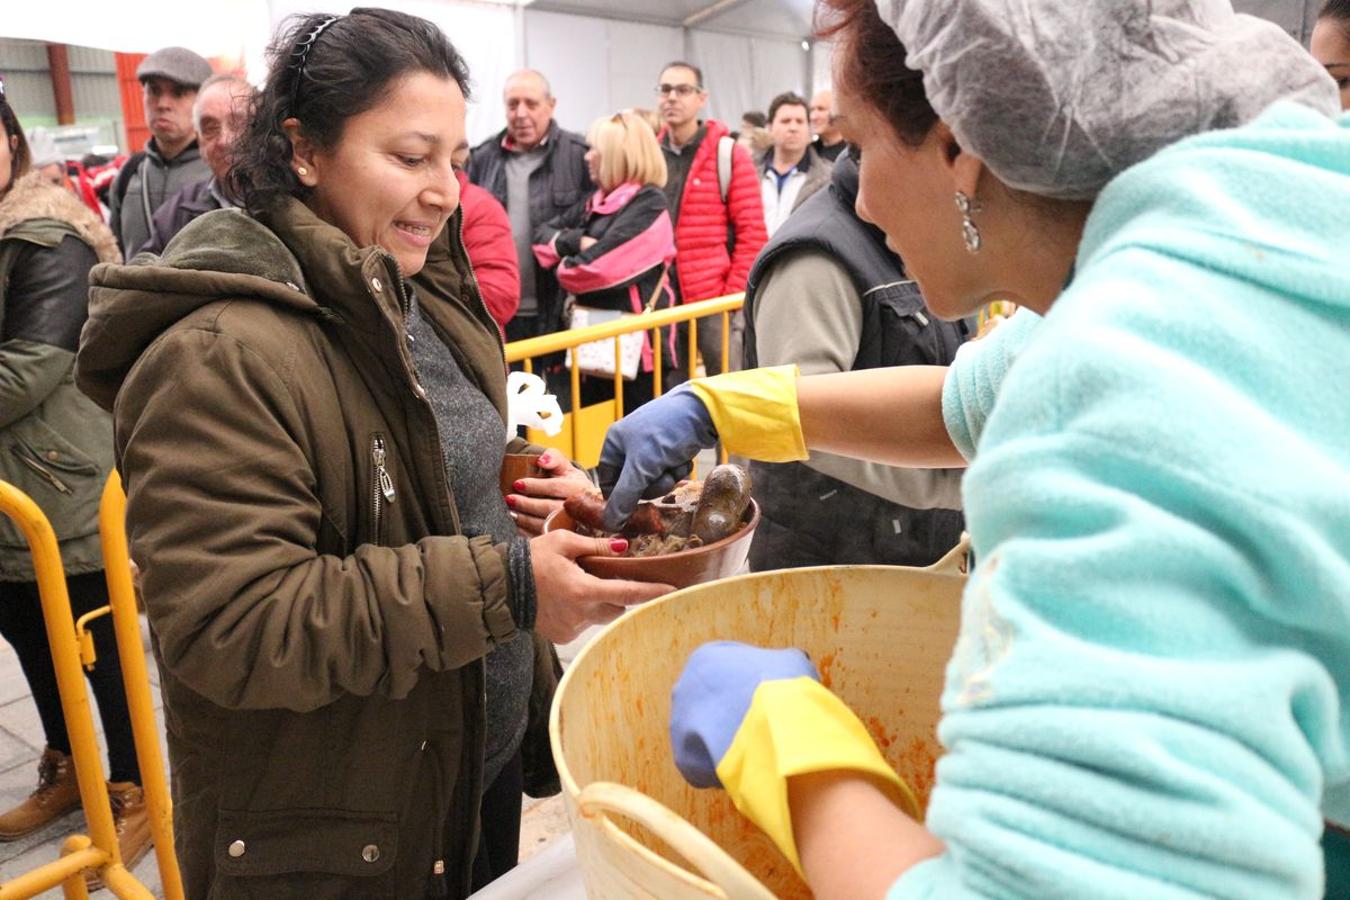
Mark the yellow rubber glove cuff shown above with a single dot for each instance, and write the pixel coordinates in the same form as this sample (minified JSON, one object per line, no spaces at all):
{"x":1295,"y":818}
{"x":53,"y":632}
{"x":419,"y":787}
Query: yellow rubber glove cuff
{"x":755,"y":412}
{"x":796,"y":726}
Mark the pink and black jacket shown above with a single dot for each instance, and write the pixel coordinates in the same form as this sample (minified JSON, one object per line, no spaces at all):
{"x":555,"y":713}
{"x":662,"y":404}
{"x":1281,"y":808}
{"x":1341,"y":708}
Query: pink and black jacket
{"x":635,"y":245}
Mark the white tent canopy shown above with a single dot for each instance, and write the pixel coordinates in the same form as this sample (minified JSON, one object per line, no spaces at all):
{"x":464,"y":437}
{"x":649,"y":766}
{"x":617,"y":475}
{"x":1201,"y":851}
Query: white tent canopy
{"x":600,"y":55}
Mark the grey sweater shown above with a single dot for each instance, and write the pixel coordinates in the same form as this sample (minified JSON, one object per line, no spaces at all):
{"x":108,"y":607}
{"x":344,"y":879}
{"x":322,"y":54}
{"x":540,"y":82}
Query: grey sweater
{"x":473,"y":439}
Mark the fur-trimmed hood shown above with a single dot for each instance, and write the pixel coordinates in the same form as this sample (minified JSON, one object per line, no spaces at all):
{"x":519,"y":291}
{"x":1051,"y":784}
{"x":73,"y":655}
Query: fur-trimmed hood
{"x":34,"y":197}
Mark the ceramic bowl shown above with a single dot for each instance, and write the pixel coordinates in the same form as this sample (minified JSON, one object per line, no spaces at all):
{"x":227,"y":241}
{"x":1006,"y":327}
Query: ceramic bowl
{"x":686,"y":568}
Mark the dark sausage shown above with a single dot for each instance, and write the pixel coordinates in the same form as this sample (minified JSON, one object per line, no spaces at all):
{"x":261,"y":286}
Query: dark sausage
{"x":588,"y":509}
{"x":726,"y":494}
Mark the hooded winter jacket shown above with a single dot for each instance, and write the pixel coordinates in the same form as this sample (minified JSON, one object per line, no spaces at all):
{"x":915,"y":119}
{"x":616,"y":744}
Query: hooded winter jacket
{"x":319,"y":618}
{"x":55,"y":445}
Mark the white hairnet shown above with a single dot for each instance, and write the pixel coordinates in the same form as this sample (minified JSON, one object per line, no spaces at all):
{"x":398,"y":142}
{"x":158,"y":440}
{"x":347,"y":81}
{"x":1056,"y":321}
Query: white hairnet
{"x":1058,"y":96}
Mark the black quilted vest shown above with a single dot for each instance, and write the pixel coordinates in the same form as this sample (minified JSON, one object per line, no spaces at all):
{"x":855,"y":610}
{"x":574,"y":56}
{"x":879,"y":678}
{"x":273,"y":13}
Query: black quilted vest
{"x":812,"y":519}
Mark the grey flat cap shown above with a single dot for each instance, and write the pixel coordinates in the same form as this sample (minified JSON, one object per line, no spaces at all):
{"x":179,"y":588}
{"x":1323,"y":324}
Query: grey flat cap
{"x":176,"y":64}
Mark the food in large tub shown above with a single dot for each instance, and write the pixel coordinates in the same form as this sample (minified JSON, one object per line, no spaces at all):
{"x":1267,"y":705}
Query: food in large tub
{"x":880,"y":636}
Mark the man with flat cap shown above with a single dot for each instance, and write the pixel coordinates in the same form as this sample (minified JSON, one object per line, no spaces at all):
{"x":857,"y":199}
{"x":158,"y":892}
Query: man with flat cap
{"x":169,"y":79}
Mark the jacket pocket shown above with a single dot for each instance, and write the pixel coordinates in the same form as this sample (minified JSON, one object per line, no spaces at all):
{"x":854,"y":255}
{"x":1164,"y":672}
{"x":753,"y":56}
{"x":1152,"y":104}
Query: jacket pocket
{"x":315,"y":854}
{"x":64,"y":482}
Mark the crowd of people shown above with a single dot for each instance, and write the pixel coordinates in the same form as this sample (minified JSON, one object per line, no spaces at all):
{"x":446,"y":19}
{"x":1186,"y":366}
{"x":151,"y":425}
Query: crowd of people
{"x":283,"y":321}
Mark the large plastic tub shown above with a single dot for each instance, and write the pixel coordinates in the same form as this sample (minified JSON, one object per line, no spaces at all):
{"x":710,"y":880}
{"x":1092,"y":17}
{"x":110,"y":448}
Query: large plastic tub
{"x":881,"y":637}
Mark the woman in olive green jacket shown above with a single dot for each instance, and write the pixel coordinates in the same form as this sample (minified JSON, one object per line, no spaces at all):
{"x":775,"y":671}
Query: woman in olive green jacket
{"x":308,"y":410}
{"x":56,"y":447}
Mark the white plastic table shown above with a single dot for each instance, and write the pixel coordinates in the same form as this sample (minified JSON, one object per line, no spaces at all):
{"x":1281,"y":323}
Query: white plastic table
{"x":551,"y":874}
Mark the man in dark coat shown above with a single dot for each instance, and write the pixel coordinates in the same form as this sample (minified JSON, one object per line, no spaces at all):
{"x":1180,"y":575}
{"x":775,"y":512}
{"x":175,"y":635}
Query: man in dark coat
{"x":536,"y":170}
{"x":219,"y":114}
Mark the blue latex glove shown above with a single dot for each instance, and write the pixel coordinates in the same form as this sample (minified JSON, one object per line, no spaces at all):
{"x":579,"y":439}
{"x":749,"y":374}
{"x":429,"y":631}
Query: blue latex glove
{"x":712,"y":697}
{"x":650,"y":450}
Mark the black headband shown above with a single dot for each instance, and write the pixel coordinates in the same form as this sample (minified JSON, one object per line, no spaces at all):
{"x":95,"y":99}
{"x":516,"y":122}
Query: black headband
{"x":298,"y":54}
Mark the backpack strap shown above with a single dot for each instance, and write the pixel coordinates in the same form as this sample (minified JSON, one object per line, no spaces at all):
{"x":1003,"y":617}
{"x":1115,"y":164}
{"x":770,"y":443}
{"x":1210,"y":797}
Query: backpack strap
{"x":119,"y":188}
{"x":725,"y":145}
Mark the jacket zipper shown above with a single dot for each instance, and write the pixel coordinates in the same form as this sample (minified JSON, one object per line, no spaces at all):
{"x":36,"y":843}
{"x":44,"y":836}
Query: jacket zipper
{"x":46,"y":474}
{"x":382,"y":490}
{"x":436,"y":882}
{"x":405,"y":353}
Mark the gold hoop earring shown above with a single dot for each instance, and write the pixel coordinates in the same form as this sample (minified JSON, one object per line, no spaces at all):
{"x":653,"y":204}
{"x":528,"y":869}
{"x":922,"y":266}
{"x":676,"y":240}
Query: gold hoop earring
{"x":969,"y":232}
{"x":301,"y":170}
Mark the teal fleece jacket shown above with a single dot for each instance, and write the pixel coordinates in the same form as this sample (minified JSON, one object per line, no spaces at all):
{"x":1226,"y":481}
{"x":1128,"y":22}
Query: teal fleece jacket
{"x":1148,"y":696}
{"x":976,"y":374}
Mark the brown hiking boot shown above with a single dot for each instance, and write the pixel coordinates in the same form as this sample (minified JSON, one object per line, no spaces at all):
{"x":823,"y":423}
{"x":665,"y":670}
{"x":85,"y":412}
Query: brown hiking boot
{"x":133,"y":826}
{"x":57,"y":794}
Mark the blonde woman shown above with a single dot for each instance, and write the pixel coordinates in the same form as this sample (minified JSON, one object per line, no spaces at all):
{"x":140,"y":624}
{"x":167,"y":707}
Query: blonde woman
{"x":614,"y":250}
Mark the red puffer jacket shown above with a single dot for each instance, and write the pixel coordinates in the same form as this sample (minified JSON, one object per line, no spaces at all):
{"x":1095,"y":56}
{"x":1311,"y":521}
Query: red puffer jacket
{"x":704,"y":267}
{"x":492,"y":251}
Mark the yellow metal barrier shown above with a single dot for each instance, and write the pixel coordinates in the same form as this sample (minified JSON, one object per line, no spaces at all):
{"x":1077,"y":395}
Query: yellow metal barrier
{"x":100,"y":853}
{"x":112,"y":516}
{"x":584,"y":428}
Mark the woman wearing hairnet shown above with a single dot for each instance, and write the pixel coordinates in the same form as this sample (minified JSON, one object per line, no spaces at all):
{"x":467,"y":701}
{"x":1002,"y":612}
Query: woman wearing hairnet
{"x":1147,"y":697}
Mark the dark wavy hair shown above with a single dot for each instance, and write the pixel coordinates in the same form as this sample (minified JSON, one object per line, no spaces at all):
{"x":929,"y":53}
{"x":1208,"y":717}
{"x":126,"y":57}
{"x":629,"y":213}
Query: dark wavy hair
{"x":872,"y":65}
{"x":322,"y":76}
{"x":1337,"y":11}
{"x":21,"y":158}
{"x":787,"y":98}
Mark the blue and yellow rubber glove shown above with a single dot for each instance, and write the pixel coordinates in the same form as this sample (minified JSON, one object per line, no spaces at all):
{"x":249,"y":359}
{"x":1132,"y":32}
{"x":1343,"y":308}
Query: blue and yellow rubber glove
{"x":747,"y":719}
{"x":648,"y":451}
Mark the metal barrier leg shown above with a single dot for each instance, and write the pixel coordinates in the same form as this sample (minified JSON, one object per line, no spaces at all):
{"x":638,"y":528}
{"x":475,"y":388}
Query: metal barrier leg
{"x":618,"y":379}
{"x":60,"y":623}
{"x":693,"y":347}
{"x":656,"y":362}
{"x":726,"y":367}
{"x":66,"y":870}
{"x":575,"y":373}
{"x":135,"y":677}
{"x":74,"y":887}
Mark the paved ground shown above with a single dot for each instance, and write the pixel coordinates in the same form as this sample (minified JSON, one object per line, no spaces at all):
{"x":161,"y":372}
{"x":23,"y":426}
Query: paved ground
{"x":21,"y":744}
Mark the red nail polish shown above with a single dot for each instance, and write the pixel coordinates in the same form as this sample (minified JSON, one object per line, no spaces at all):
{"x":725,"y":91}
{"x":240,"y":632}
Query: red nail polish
{"x":519,"y":486}
{"x":510,"y":500}
{"x":618,"y":545}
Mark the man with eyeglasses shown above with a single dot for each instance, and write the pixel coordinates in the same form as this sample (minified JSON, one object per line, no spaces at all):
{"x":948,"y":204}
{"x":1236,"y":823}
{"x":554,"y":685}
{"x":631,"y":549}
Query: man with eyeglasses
{"x":713,"y":193}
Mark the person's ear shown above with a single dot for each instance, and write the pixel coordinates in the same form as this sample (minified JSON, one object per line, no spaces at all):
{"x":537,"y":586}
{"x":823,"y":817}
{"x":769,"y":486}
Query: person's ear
{"x":964,"y":168}
{"x":302,"y":153}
